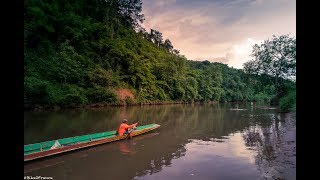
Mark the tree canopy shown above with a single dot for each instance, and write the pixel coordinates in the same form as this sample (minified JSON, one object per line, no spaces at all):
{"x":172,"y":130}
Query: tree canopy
{"x":275,"y":57}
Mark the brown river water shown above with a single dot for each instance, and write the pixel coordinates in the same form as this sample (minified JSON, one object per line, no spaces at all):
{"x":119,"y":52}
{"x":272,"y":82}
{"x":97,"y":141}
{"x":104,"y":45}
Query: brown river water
{"x":209,"y":142}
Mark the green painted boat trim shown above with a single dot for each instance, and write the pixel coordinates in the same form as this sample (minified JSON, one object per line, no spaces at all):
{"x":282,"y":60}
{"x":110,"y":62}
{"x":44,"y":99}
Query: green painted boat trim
{"x":45,"y":146}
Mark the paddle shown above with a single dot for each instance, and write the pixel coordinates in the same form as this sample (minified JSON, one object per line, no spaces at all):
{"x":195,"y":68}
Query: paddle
{"x":129,"y":131}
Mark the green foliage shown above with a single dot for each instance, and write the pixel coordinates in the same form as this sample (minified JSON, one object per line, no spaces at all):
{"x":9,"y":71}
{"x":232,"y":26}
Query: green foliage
{"x":66,"y":95}
{"x":68,"y":66}
{"x":101,"y":77}
{"x":206,"y":81}
{"x":72,"y":100}
{"x":100,"y":94}
{"x":262,"y":97}
{"x":35,"y":91}
{"x":288,"y":102}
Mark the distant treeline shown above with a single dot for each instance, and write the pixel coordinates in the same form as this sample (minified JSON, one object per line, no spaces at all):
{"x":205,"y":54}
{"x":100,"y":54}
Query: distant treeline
{"x":88,"y":51}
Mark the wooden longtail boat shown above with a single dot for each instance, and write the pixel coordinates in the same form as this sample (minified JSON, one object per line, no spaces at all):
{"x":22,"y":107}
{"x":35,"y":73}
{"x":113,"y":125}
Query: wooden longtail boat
{"x":30,"y":166}
{"x":48,"y":148}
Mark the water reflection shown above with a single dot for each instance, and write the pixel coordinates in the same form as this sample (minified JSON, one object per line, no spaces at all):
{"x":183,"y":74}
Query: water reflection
{"x":194,"y":142}
{"x":275,"y":145}
{"x":127,"y":147}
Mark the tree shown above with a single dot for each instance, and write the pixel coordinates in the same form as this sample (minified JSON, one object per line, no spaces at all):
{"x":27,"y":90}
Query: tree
{"x":131,"y":12}
{"x":175,"y":51}
{"x":156,"y":37}
{"x":275,"y":57}
{"x":168,"y":45}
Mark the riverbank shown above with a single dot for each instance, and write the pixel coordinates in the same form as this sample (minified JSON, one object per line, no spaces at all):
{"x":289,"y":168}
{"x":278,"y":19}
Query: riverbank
{"x":130,"y":103}
{"x":101,"y":105}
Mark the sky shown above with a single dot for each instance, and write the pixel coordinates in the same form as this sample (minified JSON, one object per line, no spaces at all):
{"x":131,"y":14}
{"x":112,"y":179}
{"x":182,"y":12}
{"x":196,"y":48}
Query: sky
{"x":219,"y":30}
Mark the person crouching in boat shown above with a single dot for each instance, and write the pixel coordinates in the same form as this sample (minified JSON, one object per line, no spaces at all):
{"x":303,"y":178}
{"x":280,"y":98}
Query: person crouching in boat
{"x":124,"y":128}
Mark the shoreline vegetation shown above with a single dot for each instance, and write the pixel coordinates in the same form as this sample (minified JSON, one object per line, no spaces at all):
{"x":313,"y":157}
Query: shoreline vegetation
{"x":92,"y":53}
{"x":124,"y":104}
{"x":102,"y":105}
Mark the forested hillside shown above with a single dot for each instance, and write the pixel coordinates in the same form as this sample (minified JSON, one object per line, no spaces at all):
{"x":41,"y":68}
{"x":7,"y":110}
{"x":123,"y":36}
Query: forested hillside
{"x":95,"y":51}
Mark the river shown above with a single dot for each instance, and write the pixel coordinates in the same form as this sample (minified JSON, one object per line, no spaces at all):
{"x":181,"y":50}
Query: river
{"x":208,"y":141}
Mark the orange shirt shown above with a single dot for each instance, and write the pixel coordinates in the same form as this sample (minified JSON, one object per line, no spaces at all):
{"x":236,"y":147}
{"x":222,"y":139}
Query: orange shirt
{"x":123,"y":127}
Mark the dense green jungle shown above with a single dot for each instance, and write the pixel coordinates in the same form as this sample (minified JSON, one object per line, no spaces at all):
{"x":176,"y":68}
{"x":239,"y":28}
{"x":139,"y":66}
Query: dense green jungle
{"x":95,"y":52}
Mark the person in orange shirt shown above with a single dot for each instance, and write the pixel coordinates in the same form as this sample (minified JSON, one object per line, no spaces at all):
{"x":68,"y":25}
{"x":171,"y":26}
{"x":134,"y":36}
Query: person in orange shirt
{"x":124,"y":128}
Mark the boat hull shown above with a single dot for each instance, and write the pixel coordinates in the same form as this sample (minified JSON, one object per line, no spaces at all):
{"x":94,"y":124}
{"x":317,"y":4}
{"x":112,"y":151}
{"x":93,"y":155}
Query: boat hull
{"x":73,"y":147}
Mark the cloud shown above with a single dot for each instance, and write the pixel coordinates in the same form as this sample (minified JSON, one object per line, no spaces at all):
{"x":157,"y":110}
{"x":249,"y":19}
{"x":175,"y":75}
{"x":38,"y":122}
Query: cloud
{"x":241,"y":53}
{"x":163,"y":3}
{"x":207,"y":29}
{"x":236,"y":55}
